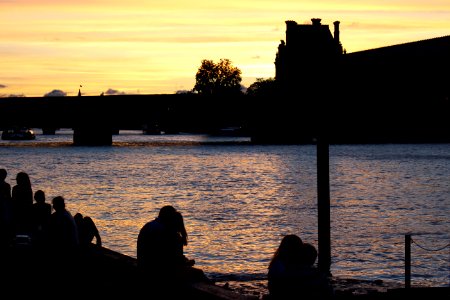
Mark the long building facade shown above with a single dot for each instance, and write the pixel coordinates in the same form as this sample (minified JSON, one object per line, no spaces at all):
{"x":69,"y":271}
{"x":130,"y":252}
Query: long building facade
{"x":399,"y":93}
{"x":312,"y":59}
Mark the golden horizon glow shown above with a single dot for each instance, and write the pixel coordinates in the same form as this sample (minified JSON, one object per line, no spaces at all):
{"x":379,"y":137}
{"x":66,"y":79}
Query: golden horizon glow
{"x":149,"y":47}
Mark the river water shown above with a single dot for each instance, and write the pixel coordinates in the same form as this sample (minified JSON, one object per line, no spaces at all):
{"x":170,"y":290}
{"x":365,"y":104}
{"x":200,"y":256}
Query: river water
{"x":239,"y":200}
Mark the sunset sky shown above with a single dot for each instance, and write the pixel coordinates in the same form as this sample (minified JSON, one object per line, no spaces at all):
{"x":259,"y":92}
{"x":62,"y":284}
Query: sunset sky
{"x":154,"y":47}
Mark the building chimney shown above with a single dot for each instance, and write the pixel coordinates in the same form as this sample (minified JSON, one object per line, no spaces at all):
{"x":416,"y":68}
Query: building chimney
{"x":290,"y":31}
{"x":316,"y":21}
{"x":336,"y":32}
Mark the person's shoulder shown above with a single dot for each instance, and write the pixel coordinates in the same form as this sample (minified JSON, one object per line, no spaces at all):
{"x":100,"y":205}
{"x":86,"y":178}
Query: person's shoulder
{"x":315,"y":278}
{"x":277,"y":267}
{"x":5,"y":184}
{"x":153,"y":226}
{"x":89,"y":222}
{"x":312,"y":274}
{"x":276,"y":262}
{"x":67,"y":215}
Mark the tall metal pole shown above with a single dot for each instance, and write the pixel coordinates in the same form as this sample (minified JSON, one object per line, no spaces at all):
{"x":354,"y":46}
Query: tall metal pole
{"x":323,"y":205}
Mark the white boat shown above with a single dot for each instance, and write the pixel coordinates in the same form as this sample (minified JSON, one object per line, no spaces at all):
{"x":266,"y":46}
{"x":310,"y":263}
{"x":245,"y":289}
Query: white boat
{"x":18,"y":134}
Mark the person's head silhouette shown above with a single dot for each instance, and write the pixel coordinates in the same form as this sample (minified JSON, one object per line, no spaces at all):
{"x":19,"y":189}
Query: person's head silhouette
{"x":22,"y":178}
{"x":58,"y":203}
{"x":291,"y":243}
{"x":166,"y":214}
{"x":3,"y":174}
{"x":39,"y":196}
{"x":309,"y":254}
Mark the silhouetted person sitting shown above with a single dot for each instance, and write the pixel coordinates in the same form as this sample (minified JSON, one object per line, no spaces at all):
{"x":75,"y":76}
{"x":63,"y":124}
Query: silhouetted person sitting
{"x":159,"y":244}
{"x":87,"y":230}
{"x":182,"y":237}
{"x":63,"y":229}
{"x":64,"y":246}
{"x":40,"y":216}
{"x":6,"y":225}
{"x":160,"y":250}
{"x":292,"y":274}
{"x":22,"y":200}
{"x":313,"y":282}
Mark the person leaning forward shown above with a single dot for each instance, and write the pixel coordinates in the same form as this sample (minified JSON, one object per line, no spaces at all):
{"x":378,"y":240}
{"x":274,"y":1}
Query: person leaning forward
{"x":160,"y":250}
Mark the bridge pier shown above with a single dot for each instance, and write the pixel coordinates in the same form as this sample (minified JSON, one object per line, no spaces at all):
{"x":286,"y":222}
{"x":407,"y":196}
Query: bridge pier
{"x":92,"y":136}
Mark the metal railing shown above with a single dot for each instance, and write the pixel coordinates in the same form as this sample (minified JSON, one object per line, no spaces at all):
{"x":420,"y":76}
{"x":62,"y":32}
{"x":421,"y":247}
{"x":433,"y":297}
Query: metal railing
{"x":408,"y":242}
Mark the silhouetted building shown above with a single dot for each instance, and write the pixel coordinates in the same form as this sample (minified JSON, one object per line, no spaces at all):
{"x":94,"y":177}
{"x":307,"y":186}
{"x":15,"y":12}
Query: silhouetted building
{"x":398,"y":93}
{"x":311,"y":64}
{"x":308,"y":55}
{"x":409,"y":72}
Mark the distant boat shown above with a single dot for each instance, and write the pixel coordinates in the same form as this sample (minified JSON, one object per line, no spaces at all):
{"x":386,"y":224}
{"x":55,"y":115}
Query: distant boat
{"x":18,"y":134}
{"x":152,"y":129}
{"x":231,"y":131}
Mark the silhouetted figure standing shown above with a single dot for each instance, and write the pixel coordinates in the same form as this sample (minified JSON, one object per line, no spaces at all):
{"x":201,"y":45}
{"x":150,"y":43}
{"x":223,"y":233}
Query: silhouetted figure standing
{"x":22,"y":200}
{"x":292,"y":274}
{"x":6,"y":229}
{"x":40,"y":216}
{"x":87,"y":230}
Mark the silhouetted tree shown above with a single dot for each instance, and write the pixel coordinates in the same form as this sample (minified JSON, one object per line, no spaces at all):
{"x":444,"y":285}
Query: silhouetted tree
{"x":263,"y":87}
{"x":220,"y":78}
{"x":56,"y":93}
{"x":179,"y":92}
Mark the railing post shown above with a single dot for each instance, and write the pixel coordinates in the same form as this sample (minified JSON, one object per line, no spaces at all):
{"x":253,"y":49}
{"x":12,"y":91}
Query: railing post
{"x":407,"y":261}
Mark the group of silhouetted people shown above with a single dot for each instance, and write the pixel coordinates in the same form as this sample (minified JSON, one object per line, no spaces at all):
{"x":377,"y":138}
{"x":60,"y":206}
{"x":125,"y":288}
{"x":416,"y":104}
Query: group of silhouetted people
{"x":160,"y":244}
{"x":160,"y":252}
{"x":292,"y":273}
{"x":24,"y":214}
{"x":15,"y":206}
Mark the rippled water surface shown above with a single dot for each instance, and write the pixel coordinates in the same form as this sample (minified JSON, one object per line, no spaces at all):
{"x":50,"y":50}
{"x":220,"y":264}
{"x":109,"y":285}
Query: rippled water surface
{"x":239,"y":199}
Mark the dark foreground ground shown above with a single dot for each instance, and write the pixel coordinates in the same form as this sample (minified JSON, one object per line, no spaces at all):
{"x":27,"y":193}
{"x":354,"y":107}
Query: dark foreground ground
{"x":100,"y":272}
{"x":349,"y":288}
